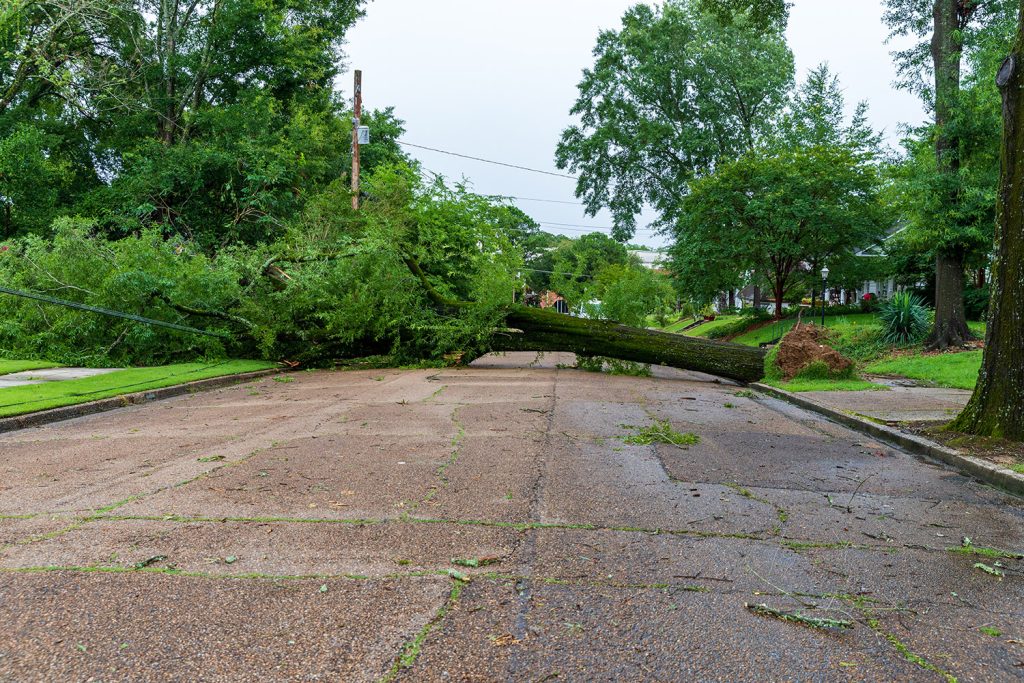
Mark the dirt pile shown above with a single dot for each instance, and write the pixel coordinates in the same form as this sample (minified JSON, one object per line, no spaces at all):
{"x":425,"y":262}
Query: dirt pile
{"x":805,"y":345}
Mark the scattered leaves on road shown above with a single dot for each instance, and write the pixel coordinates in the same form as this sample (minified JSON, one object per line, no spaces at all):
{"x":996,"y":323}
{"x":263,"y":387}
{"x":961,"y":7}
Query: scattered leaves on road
{"x":989,"y":570}
{"x":798,"y":618}
{"x":150,"y":560}
{"x":659,"y":432}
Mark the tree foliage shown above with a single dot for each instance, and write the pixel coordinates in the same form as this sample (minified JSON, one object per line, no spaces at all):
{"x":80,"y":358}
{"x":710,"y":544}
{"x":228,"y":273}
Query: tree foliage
{"x":577,"y":262}
{"x":629,"y":293}
{"x":805,"y":198}
{"x":212,"y":120}
{"x":961,"y":36}
{"x":672,"y":93}
{"x":772,"y":211}
{"x":335,"y":284}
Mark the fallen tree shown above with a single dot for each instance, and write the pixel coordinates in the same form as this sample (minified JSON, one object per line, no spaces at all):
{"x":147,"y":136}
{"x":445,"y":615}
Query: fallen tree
{"x":534,"y":329}
{"x":378,"y":288}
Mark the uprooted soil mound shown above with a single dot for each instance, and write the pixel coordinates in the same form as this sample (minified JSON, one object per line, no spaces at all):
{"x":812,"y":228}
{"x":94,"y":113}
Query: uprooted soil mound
{"x":806,"y":345}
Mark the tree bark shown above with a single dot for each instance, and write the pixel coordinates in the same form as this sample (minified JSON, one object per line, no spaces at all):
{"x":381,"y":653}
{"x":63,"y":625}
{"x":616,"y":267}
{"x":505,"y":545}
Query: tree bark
{"x":535,"y":329}
{"x":997,"y":406}
{"x":947,"y":55}
{"x":950,"y":317}
{"x":780,"y":295}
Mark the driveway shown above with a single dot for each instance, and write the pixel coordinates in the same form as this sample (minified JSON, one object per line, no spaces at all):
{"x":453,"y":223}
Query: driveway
{"x":492,"y":523}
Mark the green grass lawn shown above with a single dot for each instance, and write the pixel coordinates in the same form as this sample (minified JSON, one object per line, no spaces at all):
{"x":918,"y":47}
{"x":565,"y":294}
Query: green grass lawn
{"x":678,"y":325}
{"x":9,"y":366}
{"x":802,"y":385}
{"x":774,"y":330}
{"x":708,"y":327}
{"x":857,"y":338}
{"x":32,"y":397}
{"x":955,"y":370}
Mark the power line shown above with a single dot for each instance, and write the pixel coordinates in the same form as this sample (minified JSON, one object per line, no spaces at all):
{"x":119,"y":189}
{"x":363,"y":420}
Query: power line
{"x":551,"y":272}
{"x":488,"y":161}
{"x":592,"y":227}
{"x":577,"y":225}
{"x":531,"y":199}
{"x":109,"y":312}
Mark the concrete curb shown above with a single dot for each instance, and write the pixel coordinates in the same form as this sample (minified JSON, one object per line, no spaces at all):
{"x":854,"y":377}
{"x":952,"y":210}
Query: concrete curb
{"x":44,"y":417}
{"x":1001,"y":477}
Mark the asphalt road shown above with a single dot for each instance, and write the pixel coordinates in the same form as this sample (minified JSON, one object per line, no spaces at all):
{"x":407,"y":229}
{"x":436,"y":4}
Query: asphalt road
{"x":318,"y":528}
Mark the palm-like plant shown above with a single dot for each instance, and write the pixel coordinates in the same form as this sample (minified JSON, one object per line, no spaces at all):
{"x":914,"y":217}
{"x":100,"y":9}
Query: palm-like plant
{"x":905,"y":319}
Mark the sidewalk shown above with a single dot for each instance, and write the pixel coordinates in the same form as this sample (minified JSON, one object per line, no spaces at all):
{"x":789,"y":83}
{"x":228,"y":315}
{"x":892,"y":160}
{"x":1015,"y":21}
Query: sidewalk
{"x":899,"y":404}
{"x":17,"y":379}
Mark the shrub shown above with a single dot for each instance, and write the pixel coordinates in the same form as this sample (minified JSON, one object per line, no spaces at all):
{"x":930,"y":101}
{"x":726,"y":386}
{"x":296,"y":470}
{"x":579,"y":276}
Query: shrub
{"x":755,"y":313}
{"x":732,"y":328}
{"x":869,"y":303}
{"x":976,"y":302}
{"x":905,"y":320}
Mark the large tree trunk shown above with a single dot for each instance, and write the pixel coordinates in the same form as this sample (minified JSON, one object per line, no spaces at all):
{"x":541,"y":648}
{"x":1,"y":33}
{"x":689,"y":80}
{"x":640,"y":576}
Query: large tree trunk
{"x":947,"y":53}
{"x":780,"y":296}
{"x":950,"y":318}
{"x":537,"y":329}
{"x":534,"y":329}
{"x":997,"y":406}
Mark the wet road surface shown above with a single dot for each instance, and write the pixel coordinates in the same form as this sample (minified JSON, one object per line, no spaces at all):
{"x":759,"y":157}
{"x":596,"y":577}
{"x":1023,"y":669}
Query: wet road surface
{"x":324,"y":527}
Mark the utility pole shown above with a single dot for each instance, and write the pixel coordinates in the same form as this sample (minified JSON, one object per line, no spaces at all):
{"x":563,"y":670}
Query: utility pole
{"x":357,"y":113}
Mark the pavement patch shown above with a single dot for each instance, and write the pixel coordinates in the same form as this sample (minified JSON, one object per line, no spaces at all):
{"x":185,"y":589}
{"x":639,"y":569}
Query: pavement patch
{"x":149,"y":627}
{"x":271,"y":548}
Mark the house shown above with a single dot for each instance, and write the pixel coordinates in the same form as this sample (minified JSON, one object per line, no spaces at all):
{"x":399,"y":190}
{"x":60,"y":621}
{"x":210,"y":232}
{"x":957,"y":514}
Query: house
{"x":554,"y":300}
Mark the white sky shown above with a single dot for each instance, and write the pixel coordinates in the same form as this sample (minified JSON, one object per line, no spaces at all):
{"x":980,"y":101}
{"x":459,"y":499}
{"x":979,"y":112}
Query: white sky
{"x":496,"y":79}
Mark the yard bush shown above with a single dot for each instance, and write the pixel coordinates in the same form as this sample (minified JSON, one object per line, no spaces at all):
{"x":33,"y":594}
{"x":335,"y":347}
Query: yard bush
{"x":976,"y":302}
{"x":733,"y":328}
{"x":905,"y":320}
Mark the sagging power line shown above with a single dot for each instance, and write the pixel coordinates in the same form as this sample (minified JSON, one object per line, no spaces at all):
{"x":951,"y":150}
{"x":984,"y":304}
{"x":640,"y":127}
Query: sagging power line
{"x":487,"y":161}
{"x":109,"y":312}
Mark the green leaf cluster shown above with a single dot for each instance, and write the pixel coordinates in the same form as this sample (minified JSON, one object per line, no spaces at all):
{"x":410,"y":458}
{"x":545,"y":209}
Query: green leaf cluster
{"x":672,"y":93}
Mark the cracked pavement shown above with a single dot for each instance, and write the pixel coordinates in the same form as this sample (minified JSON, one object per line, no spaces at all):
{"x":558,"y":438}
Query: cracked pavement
{"x":308,"y":529}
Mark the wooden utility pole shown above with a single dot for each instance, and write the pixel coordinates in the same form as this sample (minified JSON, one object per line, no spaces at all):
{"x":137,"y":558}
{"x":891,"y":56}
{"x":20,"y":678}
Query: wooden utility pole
{"x":357,"y":113}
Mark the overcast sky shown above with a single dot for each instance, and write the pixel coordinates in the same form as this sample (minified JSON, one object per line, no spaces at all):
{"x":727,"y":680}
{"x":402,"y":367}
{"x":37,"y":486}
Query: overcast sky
{"x":496,"y":79}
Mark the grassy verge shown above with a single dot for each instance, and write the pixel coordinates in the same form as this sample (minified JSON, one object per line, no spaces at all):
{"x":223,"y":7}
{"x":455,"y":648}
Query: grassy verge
{"x":708,"y":327}
{"x":678,"y":325}
{"x":33,"y":397}
{"x":803,"y":385}
{"x":859,"y":337}
{"x":9,"y":366}
{"x":774,"y":330}
{"x":954,"y":370}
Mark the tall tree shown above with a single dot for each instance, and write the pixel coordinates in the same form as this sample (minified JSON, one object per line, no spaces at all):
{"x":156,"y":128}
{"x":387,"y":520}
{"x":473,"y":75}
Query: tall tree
{"x":995,"y":408}
{"x":954,"y":26}
{"x":671,"y":94}
{"x":772,"y":211}
{"x":209,"y":118}
{"x":764,"y":13}
{"x":806,"y":197}
{"x":575,"y":263}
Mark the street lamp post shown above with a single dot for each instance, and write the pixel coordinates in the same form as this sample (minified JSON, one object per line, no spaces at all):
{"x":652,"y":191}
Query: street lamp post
{"x":824,"y":293}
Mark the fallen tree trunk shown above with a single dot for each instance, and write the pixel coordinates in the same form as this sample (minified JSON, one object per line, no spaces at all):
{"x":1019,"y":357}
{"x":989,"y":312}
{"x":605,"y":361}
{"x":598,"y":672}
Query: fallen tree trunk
{"x":534,"y":329}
